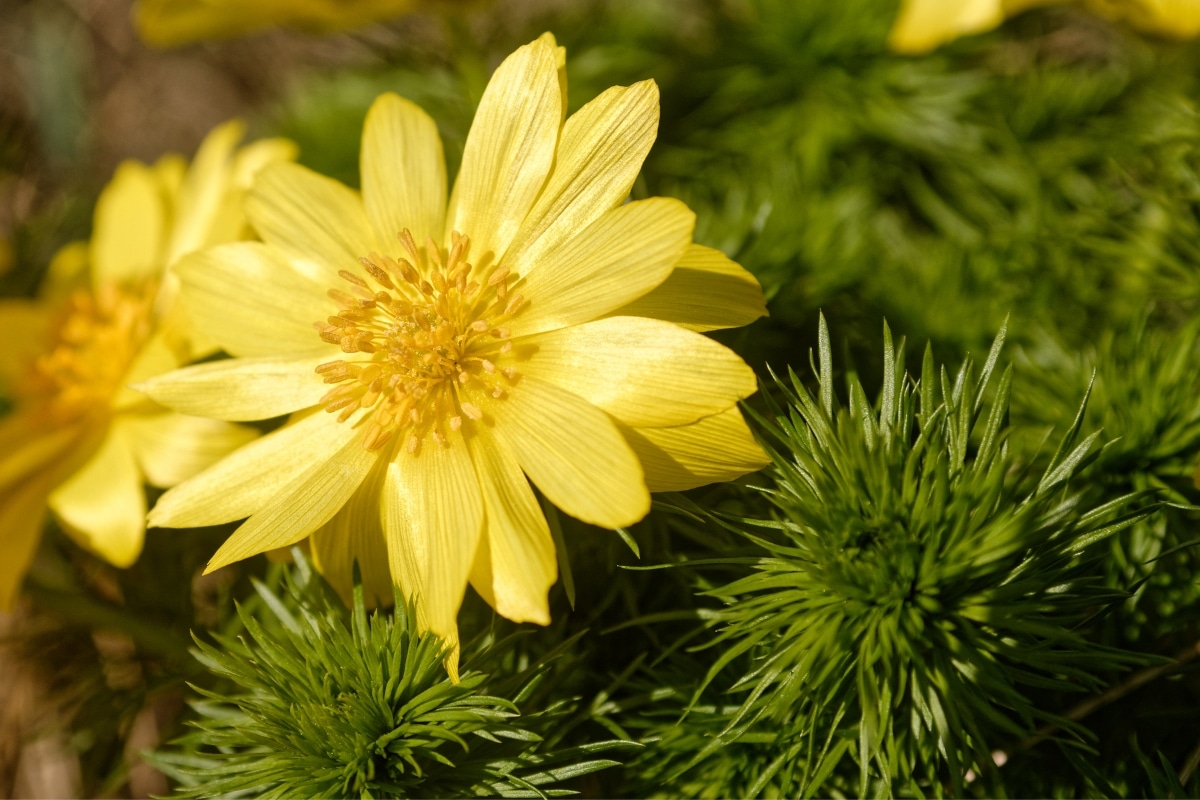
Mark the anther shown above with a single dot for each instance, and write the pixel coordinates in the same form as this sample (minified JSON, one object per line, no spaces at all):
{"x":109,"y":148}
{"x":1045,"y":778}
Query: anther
{"x":498,"y":276}
{"x":376,"y":437}
{"x":406,"y":240}
{"x":515,"y":305}
{"x":471,"y":410}
{"x":455,"y":423}
{"x":330,"y":366}
{"x":350,"y":276}
{"x":379,"y":275}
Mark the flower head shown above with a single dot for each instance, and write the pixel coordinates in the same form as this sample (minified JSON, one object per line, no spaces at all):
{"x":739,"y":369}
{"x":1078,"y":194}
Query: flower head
{"x":79,"y":441}
{"x":171,"y":23}
{"x":923,"y":25}
{"x":533,"y":328}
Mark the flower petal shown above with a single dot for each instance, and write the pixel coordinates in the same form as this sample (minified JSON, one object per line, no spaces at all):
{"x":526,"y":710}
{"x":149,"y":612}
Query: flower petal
{"x":26,"y":325}
{"x":243,"y":388}
{"x":173,"y":447}
{"x":129,"y":230}
{"x":251,"y":300}
{"x":26,"y":448}
{"x":923,"y":25}
{"x":403,"y":170}
{"x":22,"y":516}
{"x":433,"y":518}
{"x":204,"y":188}
{"x":246,"y":481}
{"x":705,"y":292}
{"x":316,"y":221}
{"x":103,"y":505}
{"x":356,"y":534}
{"x":600,"y":153}
{"x":230,"y":223}
{"x":645,"y":372}
{"x":620,"y":257}
{"x":714,"y":449}
{"x":515,"y":565}
{"x":305,"y":504}
{"x":572,"y":451}
{"x":509,"y":150}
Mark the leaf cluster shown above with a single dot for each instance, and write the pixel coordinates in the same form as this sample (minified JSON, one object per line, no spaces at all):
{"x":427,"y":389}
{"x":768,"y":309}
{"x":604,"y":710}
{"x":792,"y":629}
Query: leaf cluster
{"x":330,"y":707}
{"x":919,"y":588}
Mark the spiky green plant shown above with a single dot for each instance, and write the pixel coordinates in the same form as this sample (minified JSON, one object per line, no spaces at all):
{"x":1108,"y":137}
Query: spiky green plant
{"x":919,"y":590}
{"x":327,"y":706}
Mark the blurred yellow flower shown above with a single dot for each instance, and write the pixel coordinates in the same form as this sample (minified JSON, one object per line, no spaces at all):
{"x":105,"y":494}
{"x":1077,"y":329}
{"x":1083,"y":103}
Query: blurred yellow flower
{"x":535,"y":328}
{"x":923,"y":25}
{"x":77,"y":440}
{"x":171,"y":23}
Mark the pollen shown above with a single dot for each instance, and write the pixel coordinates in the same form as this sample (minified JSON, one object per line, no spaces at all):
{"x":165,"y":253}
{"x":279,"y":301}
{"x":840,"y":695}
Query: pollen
{"x":91,"y":349}
{"x":420,"y":331}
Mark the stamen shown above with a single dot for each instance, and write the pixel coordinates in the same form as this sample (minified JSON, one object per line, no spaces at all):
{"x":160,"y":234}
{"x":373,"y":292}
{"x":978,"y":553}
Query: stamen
{"x":414,"y":340}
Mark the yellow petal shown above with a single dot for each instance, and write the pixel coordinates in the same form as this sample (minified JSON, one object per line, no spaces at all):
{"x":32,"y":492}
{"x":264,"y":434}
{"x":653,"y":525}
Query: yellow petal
{"x":705,"y":292}
{"x":514,"y":564}
{"x":173,"y":447}
{"x":1176,"y":18}
{"x":203,"y":191}
{"x":923,"y":25}
{"x":27,"y":327}
{"x":403,"y":170}
{"x":509,"y":150}
{"x":68,"y":271}
{"x":644,"y":372}
{"x":243,"y":389}
{"x":433,"y":517}
{"x":103,"y":505}
{"x":246,"y":481}
{"x":304,"y":505}
{"x":129,"y":230}
{"x":572,"y":451}
{"x":600,"y":153}
{"x":22,"y":515}
{"x":714,"y":449}
{"x":257,"y":154}
{"x":618,"y":258}
{"x":251,"y":300}
{"x":155,"y":358}
{"x":356,"y":534}
{"x":27,"y":449}
{"x":229,"y":224}
{"x":316,"y":221}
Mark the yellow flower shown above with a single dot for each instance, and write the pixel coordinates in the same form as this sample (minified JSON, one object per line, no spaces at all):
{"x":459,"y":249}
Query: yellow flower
{"x":532,"y":329}
{"x":923,"y":25}
{"x":1179,"y":19}
{"x":170,"y":23}
{"x":77,"y":440}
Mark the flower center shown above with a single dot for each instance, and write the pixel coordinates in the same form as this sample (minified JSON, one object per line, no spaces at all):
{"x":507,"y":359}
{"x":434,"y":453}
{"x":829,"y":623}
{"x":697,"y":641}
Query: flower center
{"x":99,"y":336}
{"x":422,"y":340}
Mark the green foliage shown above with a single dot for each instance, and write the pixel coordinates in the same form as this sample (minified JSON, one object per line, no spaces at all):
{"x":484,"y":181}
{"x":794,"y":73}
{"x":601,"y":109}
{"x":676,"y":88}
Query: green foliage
{"x":330,"y":707}
{"x":918,"y":588}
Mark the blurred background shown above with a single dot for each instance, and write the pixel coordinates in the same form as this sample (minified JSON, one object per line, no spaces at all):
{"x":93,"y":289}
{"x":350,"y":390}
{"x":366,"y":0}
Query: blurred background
{"x":1045,"y":171}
